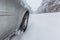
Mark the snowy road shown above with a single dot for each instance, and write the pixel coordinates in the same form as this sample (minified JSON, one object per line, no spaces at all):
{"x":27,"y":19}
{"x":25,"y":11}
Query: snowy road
{"x":42,"y":27}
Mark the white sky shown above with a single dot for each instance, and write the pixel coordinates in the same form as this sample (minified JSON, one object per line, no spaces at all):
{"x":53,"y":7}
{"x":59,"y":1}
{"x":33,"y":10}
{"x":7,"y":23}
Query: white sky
{"x":34,"y":4}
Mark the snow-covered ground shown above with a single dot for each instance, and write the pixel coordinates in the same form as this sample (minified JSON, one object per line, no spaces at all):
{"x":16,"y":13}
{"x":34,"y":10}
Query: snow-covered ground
{"x":42,"y":27}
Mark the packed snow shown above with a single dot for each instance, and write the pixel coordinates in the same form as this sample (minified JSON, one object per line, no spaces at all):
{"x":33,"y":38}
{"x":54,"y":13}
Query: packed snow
{"x":42,"y":27}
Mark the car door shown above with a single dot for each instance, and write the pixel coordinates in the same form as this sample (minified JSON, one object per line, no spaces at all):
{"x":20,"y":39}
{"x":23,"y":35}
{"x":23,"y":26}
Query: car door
{"x":8,"y":17}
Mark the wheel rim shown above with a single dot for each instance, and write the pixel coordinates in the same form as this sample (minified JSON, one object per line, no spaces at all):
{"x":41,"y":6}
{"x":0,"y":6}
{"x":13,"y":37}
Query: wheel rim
{"x":25,"y":22}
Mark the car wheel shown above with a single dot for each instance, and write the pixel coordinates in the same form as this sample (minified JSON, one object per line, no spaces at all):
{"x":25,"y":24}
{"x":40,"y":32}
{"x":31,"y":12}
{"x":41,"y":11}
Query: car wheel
{"x":24,"y":23}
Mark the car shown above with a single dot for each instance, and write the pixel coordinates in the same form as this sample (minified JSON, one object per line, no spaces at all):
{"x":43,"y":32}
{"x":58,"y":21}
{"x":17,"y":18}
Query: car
{"x":13,"y":17}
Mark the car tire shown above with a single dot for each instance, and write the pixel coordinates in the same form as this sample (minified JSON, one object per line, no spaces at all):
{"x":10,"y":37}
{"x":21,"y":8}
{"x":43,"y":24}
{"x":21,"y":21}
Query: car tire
{"x":24,"y":23}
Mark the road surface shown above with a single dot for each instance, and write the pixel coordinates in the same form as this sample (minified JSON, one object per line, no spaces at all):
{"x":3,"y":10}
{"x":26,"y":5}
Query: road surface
{"x":42,"y":27}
